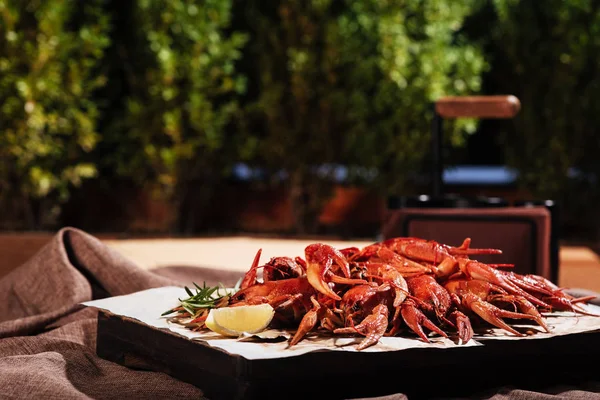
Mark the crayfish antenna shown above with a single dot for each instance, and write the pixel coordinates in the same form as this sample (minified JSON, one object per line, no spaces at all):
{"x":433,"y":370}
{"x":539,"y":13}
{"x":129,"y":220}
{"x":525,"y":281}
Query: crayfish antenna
{"x":584,"y":299}
{"x":528,"y":285}
{"x":502,"y":265}
{"x":456,"y":251}
{"x":562,"y":303}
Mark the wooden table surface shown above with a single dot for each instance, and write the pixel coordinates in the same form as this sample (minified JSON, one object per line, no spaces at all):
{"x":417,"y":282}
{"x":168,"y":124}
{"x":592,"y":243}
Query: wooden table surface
{"x":579,"y":265}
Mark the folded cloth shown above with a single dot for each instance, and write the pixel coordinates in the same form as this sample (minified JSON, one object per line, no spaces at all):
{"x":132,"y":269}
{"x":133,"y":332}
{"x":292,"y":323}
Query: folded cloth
{"x":48,"y":341}
{"x":48,"y":345}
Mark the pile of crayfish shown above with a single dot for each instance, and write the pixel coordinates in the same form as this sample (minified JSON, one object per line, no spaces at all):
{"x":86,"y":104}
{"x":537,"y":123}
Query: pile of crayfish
{"x":399,"y":285}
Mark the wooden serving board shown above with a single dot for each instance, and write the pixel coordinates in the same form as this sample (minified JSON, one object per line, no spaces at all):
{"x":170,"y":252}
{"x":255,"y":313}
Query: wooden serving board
{"x":418,"y":373}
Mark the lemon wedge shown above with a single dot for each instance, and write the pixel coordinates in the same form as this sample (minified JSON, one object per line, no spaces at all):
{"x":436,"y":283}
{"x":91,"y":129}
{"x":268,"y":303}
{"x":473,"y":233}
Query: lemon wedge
{"x":234,"y":321}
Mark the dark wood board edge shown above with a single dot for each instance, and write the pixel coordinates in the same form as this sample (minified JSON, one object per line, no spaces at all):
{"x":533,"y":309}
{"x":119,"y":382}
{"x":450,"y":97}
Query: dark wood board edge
{"x":136,"y":345}
{"x":457,"y":372}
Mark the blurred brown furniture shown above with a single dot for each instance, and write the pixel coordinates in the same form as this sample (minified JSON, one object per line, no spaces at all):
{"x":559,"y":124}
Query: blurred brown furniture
{"x":524,"y":233}
{"x":490,"y":107}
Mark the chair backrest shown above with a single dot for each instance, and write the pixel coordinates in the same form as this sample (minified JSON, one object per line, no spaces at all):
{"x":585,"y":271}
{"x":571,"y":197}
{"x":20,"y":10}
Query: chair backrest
{"x":488,"y":107}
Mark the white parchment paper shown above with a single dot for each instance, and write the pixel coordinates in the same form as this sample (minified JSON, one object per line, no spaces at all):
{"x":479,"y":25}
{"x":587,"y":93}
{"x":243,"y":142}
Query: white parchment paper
{"x":146,"y":307}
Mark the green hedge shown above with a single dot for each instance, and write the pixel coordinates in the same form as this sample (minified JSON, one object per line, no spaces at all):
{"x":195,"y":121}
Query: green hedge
{"x":169,"y":95}
{"x":329,"y":81}
{"x":350,"y":83}
{"x":545,"y":53}
{"x":168,"y":127}
{"x":50,"y":53}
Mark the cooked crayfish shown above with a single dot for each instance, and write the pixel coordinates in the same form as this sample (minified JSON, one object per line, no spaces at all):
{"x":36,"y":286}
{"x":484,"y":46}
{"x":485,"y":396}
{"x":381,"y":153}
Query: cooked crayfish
{"x":398,"y":285}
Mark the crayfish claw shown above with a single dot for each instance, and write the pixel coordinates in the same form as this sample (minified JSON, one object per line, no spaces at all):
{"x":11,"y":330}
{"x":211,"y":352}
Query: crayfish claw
{"x":494,"y":315}
{"x":416,"y":320}
{"x":373,"y":327}
{"x":481,"y":271}
{"x":321,"y":259}
{"x":524,"y":306}
{"x":308,"y":322}
{"x":316,"y":279}
{"x":462,"y":323}
{"x":249,"y":278}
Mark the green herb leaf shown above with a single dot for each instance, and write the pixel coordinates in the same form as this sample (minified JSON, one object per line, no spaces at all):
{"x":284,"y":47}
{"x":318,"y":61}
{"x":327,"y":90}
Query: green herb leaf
{"x":206,"y":297}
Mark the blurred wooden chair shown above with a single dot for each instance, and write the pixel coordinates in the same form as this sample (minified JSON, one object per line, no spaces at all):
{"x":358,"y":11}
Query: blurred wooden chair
{"x":525,"y":232}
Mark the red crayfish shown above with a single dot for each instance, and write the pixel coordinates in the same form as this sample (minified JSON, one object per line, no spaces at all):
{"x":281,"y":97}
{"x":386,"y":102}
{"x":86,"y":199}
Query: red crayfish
{"x":399,"y":285}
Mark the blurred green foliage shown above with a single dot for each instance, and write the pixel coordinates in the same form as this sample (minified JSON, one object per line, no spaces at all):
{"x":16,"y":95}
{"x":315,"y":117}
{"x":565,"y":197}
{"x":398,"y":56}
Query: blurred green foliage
{"x":178,"y":65}
{"x":351,"y":83}
{"x":168,"y":96}
{"x":49,"y":56}
{"x":542,"y":52}
{"x":546,"y":54}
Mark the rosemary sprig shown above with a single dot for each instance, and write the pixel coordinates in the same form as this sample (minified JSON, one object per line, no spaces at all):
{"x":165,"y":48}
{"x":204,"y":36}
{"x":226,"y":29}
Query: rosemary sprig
{"x":205,"y":298}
